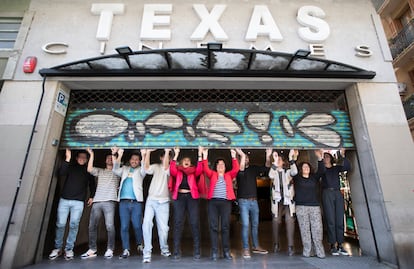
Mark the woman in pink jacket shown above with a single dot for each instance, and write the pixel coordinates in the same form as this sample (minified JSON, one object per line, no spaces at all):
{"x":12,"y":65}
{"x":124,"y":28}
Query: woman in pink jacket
{"x":183,"y":186}
{"x":220,"y":196}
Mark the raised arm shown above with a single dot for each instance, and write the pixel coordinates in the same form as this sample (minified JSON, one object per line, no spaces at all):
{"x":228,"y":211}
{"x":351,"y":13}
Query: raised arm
{"x":173,"y":164}
{"x":146,"y":157}
{"x":166,"y":160}
{"x":346,"y":165}
{"x":207,"y":169}
{"x":63,"y":171}
{"x":91,"y":159}
{"x":235,"y":164}
{"x":321,"y":165}
{"x":242,"y":159}
{"x":68,"y":155}
{"x":272,"y":171}
{"x":268,"y":155}
{"x":293,"y":157}
{"x":116,"y":160}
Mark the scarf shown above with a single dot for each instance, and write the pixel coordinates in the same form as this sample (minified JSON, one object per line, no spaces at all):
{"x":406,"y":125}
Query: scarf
{"x":186,"y":170}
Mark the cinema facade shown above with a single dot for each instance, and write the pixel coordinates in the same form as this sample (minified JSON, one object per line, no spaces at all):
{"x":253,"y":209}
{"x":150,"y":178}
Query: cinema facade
{"x":251,"y":74}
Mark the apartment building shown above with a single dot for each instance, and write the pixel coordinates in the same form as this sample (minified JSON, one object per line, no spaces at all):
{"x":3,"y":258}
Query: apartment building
{"x":398,"y":20}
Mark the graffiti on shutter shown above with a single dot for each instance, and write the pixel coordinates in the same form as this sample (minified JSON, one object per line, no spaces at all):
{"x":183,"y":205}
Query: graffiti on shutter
{"x":206,"y":126}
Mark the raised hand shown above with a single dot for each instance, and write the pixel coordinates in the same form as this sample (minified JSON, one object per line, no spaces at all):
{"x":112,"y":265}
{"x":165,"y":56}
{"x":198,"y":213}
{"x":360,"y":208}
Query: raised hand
{"x":89,"y":150}
{"x":268,"y":152}
{"x":205,"y":153}
{"x":319,"y":154}
{"x":239,"y":151}
{"x":176,"y":151}
{"x":114,"y":150}
{"x":233,"y":153}
{"x":342,"y":152}
{"x":293,"y":154}
{"x":275,"y":156}
{"x":68,"y":155}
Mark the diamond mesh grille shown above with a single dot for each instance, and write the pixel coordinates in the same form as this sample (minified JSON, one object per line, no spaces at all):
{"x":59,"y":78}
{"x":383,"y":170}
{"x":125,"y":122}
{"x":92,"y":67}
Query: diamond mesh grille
{"x":202,"y":95}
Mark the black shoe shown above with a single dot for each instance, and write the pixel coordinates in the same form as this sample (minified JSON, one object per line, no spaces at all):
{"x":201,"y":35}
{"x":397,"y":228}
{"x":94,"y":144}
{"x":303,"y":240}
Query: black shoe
{"x":334,"y":251}
{"x":176,"y":257}
{"x":342,"y":251}
{"x":227,"y":255}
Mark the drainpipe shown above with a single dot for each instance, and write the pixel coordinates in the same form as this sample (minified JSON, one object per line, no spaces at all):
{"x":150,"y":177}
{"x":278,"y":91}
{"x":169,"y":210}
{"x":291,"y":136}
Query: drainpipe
{"x":19,"y":183}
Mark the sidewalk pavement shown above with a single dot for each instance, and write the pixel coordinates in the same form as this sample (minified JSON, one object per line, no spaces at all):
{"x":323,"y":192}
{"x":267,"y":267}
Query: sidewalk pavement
{"x":257,"y":261}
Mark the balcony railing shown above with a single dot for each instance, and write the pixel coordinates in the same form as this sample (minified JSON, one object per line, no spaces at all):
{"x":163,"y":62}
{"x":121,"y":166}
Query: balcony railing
{"x":409,"y":107}
{"x":403,"y":40}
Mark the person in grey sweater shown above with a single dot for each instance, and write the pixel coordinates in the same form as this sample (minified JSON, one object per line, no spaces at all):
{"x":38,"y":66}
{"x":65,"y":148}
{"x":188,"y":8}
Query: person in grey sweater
{"x":104,"y":203}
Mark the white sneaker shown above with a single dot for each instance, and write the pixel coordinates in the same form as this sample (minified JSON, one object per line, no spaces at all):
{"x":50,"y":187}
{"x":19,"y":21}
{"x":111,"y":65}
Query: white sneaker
{"x":166,"y":253}
{"x":125,"y":254}
{"x":89,"y":254}
{"x":146,"y":259}
{"x":109,"y":254}
{"x":55,"y":253}
{"x":69,"y":255}
{"x":140,"y":249}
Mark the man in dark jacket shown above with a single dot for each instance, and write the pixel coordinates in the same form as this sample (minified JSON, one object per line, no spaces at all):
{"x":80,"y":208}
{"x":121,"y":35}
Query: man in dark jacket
{"x":77,"y":180}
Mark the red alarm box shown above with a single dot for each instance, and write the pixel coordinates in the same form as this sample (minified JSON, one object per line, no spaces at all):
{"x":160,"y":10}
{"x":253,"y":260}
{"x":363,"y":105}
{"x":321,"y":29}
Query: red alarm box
{"x":29,"y":64}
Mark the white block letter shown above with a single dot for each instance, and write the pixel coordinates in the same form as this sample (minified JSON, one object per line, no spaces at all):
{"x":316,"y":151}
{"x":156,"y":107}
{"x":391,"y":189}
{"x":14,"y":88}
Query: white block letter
{"x":151,"y":18}
{"x":261,"y":14}
{"x":317,"y":49}
{"x":316,"y":29}
{"x":363,"y":51}
{"x":209,"y":22}
{"x":106,"y":12}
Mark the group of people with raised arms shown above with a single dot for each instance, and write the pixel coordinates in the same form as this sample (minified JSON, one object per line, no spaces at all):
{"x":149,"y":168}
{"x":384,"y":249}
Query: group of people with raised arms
{"x":293,"y":193}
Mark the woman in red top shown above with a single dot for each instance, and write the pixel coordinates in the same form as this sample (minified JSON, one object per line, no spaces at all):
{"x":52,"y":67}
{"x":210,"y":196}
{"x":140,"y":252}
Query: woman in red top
{"x":220,"y":195}
{"x":183,"y":186}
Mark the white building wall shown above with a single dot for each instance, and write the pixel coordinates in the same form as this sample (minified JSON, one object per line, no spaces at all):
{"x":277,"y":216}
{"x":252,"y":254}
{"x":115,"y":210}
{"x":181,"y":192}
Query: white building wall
{"x":388,"y":145}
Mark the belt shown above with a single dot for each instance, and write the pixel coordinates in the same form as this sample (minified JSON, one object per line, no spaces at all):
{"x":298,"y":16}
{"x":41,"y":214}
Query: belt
{"x":130,"y":200}
{"x":331,"y":189}
{"x":219,"y":199}
{"x":250,"y":199}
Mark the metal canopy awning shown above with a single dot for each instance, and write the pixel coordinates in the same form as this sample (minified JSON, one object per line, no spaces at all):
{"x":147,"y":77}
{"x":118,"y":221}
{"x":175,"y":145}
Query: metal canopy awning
{"x":208,"y":62}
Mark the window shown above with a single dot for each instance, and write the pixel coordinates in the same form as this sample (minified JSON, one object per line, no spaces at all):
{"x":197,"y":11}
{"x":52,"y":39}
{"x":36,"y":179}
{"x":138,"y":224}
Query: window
{"x":9,"y":28}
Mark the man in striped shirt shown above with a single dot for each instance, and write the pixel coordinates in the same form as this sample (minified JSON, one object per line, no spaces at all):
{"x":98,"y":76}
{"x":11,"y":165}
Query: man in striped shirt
{"x":104,"y":202}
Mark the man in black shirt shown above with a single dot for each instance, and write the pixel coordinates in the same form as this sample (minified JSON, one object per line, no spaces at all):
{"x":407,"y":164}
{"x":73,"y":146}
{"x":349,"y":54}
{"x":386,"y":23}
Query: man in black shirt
{"x":72,"y":201}
{"x":247,"y":199}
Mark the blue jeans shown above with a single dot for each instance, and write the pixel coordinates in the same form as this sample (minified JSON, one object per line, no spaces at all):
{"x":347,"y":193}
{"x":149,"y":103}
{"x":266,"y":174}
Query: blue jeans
{"x":161,"y":212}
{"x":130,"y":210}
{"x":106,"y":208}
{"x":75,"y":209}
{"x":249,"y":214}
